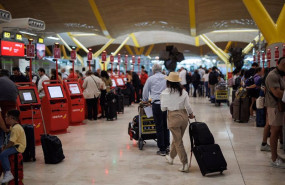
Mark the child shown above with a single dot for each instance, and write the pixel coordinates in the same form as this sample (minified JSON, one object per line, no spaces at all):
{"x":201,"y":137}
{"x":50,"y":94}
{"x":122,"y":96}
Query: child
{"x":17,"y":143}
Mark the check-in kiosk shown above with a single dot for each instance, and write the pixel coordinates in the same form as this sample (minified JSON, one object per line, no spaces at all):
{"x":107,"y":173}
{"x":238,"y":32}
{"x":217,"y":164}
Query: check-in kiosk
{"x":29,"y":105}
{"x":120,"y":82}
{"x":75,"y":101}
{"x":114,"y":85}
{"x":55,"y":107}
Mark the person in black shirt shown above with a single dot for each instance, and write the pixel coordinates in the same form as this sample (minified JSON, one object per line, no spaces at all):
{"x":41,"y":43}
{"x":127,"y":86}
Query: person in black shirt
{"x":18,"y":76}
{"x":136,"y":83}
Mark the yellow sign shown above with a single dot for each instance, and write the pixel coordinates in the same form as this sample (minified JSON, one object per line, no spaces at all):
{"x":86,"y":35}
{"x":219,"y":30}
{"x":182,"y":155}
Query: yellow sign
{"x":41,"y":40}
{"x":19,"y":37}
{"x":6,"y":35}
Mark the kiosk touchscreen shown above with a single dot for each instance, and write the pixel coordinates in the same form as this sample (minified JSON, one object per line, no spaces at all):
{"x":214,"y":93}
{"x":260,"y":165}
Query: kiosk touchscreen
{"x":120,"y":82}
{"x":74,"y":89}
{"x":55,"y":92}
{"x":114,"y":83}
{"x":27,"y":96}
{"x":125,"y":79}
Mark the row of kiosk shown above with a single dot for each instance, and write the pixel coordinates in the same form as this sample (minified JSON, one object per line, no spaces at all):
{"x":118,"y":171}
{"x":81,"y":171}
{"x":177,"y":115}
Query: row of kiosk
{"x":63,"y":105}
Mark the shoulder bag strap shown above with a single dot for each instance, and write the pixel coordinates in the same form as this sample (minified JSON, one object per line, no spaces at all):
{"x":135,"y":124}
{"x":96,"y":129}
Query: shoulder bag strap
{"x":95,"y":83}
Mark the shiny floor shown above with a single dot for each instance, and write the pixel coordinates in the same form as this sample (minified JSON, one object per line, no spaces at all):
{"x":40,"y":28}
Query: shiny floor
{"x":101,"y":152}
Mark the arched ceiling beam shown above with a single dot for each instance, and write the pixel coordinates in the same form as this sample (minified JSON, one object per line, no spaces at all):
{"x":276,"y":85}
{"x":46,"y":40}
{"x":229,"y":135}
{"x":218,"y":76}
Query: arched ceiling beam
{"x":192,"y":15}
{"x":99,"y":18}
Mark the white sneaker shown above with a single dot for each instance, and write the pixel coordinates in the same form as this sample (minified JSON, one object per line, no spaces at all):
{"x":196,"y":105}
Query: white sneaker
{"x":265,"y":148}
{"x":169,"y":159}
{"x":8,"y":176}
{"x":184,"y":168}
{"x":278,"y":163}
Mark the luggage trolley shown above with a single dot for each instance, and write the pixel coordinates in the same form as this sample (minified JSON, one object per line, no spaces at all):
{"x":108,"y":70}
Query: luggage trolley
{"x":221,"y":95}
{"x":147,"y":128}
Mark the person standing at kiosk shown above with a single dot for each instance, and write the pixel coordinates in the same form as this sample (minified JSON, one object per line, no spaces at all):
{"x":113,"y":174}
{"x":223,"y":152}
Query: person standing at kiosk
{"x":8,"y":93}
{"x":43,"y":77}
{"x":91,"y":93}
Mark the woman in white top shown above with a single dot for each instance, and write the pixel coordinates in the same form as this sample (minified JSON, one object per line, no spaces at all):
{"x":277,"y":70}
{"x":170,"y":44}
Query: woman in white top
{"x":175,"y":100}
{"x":206,"y":83}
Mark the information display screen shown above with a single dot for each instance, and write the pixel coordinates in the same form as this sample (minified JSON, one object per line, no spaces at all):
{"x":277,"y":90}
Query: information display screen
{"x":120,"y":82}
{"x":27,"y":96}
{"x":41,"y":50}
{"x":114,"y":83}
{"x":74,"y":89}
{"x":125,"y":79}
{"x":55,"y":92}
{"x":14,"y":49}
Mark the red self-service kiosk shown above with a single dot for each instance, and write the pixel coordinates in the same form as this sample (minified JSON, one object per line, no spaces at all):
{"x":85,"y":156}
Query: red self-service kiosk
{"x":55,"y":107}
{"x":29,"y":104}
{"x":75,"y":101}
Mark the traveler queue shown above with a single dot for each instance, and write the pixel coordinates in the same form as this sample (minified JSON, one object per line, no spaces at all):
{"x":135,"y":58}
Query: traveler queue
{"x":95,"y":85}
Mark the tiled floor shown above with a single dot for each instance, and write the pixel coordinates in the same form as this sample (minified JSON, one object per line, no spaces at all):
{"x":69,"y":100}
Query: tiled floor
{"x":101,"y":153}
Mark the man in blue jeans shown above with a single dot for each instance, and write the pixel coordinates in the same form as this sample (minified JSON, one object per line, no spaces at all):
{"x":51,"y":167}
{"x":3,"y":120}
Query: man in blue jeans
{"x":17,"y":143}
{"x":152,"y":90}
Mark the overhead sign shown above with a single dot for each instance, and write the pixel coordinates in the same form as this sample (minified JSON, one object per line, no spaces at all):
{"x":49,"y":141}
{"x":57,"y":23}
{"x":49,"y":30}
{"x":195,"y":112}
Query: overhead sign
{"x":133,"y":59}
{"x":89,"y":55}
{"x":19,"y":37}
{"x":126,"y":59}
{"x":6,"y":35}
{"x":119,"y":58}
{"x":41,"y":50}
{"x":104,"y":56}
{"x":15,"y":49}
{"x":139,"y":60}
{"x":56,"y":53}
{"x":73,"y":55}
{"x":40,"y":40}
{"x":30,"y":50}
{"x":112,"y":58}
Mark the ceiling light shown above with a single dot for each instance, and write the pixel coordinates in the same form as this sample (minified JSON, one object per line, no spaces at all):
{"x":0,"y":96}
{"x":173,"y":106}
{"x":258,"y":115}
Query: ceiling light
{"x":28,"y":33}
{"x":53,"y":38}
{"x":235,"y":30}
{"x":84,"y":34}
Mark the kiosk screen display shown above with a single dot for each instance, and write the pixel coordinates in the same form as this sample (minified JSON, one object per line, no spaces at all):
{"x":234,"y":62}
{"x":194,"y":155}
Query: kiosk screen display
{"x":55,"y":92}
{"x":120,"y":82}
{"x":74,"y":89}
{"x":114,"y":83}
{"x":27,"y":96}
{"x":125,"y":79}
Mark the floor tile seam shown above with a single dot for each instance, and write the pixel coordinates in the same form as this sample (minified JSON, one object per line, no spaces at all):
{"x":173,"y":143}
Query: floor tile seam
{"x":230,"y":139}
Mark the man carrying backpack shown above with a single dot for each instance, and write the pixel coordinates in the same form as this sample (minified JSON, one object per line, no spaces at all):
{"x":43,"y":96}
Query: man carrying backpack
{"x":213,"y":80}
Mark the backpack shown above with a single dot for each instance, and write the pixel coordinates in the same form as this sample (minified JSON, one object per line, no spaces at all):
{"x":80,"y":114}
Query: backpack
{"x":188,"y":78}
{"x":213,"y":78}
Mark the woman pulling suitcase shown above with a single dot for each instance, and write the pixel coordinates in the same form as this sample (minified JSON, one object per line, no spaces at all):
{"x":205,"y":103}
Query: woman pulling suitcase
{"x":175,"y":100}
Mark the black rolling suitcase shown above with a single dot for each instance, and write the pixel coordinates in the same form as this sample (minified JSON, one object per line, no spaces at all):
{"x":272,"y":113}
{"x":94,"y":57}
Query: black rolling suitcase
{"x":208,"y":155}
{"x":111,"y":106}
{"x":30,"y":151}
{"x":52,"y":147}
{"x":120,"y":103}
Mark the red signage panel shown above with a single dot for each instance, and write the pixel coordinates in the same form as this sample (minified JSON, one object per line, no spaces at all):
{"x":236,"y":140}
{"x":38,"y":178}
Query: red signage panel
{"x":89,"y":56}
{"x":104,"y":56}
{"x":56,"y":53}
{"x":30,"y":50}
{"x":112,"y":58}
{"x":15,"y":49}
{"x":119,"y":58}
{"x":73,"y":55}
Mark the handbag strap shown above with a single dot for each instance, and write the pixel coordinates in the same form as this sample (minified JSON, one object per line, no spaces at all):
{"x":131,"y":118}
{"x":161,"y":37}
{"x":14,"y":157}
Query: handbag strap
{"x":95,"y":83}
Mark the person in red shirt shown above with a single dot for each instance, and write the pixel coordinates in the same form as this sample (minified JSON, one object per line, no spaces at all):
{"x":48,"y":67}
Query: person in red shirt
{"x":72,"y":75}
{"x":143,"y":78}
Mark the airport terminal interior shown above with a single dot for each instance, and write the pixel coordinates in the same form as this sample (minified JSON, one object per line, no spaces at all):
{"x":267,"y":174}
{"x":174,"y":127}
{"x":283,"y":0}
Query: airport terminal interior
{"x":89,"y":82}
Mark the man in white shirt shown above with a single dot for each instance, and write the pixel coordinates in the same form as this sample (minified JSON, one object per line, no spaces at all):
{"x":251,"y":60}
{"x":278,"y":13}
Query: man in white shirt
{"x":201,"y":73}
{"x":182,"y":75}
{"x":43,"y":77}
{"x":64,"y":74}
{"x":206,"y":83}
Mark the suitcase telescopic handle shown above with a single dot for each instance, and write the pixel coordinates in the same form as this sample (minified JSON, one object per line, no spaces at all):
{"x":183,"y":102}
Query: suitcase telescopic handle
{"x":43,"y":121}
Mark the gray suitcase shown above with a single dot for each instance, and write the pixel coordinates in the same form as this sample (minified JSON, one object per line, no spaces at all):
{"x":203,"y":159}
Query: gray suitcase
{"x":241,"y":109}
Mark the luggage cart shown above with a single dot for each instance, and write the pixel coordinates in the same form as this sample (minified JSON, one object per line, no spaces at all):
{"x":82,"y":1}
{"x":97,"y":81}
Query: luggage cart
{"x":221,"y":96}
{"x":147,"y":128}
